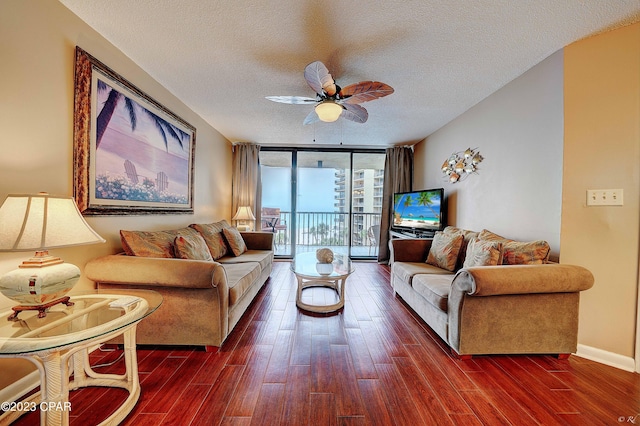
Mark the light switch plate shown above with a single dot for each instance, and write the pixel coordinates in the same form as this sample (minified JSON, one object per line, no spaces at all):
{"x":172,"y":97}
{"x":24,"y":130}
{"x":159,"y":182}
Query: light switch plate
{"x":605,"y":197}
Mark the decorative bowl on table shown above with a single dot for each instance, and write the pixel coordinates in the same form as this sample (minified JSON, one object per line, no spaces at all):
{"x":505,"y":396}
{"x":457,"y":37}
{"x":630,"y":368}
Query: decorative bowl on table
{"x":324,"y":268}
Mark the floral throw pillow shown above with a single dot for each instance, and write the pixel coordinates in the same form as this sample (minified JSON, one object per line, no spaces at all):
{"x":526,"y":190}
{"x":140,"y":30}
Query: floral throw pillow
{"x":192,"y":247}
{"x":444,"y":250}
{"x":518,"y":252}
{"x":146,"y":244}
{"x":483,"y":253}
{"x":235,"y":241}
{"x":212,"y":234}
{"x":151,"y":243}
{"x":468,"y":237}
{"x":525,"y":253}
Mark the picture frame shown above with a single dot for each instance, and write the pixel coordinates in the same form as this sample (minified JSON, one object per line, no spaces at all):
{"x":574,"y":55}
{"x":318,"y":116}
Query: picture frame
{"x":132,"y":155}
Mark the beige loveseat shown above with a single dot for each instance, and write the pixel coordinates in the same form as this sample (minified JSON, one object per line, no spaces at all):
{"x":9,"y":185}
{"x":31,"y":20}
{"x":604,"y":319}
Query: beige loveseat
{"x":529,"y":307}
{"x":203,"y":300}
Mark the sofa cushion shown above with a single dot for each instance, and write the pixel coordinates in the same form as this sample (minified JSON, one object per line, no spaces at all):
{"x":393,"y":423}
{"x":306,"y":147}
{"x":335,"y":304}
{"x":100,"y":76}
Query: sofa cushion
{"x":483,"y":253}
{"x":263,"y":257}
{"x":191,"y":247}
{"x":434,"y":288}
{"x":444,"y":250}
{"x":240,"y":277}
{"x":152,"y":243}
{"x":212,"y":234}
{"x":468,"y":237}
{"x":407,"y":270}
{"x":517,"y":252}
{"x":234,"y":241}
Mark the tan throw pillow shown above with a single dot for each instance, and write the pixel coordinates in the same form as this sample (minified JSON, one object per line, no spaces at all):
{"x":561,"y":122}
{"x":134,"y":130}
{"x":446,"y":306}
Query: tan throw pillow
{"x":517,"y":252}
{"x":152,"y":243}
{"x":444,"y":250}
{"x":235,"y":241}
{"x":468,"y":237}
{"x":192,"y":247}
{"x":525,"y":253}
{"x":483,"y":253}
{"x":452,"y":230}
{"x":487,"y":235}
{"x":212,"y":234}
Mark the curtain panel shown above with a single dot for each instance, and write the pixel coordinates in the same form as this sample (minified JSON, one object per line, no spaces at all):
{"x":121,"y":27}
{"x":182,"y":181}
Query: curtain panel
{"x":398,"y":177}
{"x":246,"y":186}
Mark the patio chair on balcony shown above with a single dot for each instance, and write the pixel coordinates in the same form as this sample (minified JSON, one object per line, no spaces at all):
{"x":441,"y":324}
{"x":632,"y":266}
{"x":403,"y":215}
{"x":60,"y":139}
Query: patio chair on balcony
{"x":356,"y":238}
{"x":270,"y":220}
{"x":374,"y":237}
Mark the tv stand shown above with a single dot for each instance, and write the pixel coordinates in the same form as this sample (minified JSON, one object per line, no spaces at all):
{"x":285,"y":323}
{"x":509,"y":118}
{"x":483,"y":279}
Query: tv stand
{"x":406,"y":234}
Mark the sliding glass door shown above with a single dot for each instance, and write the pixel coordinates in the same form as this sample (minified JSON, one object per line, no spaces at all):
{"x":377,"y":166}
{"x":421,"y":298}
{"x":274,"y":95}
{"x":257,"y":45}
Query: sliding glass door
{"x":276,"y":174}
{"x":368,"y":178}
{"x":322,"y":199}
{"x":323,"y":205}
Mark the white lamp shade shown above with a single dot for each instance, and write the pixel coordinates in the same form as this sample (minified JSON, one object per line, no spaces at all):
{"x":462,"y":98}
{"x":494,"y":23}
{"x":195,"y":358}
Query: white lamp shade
{"x":328,"y":111}
{"x":39,"y":222}
{"x":244,"y":213}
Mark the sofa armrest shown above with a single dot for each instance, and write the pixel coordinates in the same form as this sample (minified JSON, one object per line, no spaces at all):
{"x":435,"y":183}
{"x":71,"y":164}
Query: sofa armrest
{"x":522,"y":279}
{"x":159,"y":272}
{"x":522,"y":309}
{"x":258,"y":240}
{"x":410,"y":250}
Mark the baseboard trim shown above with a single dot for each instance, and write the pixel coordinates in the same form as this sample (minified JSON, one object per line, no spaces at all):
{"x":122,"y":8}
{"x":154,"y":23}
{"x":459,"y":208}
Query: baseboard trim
{"x":622,"y":362}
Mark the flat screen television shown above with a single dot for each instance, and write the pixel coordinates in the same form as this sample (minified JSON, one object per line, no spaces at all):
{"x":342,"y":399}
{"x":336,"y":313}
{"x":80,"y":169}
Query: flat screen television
{"x":419,"y":211}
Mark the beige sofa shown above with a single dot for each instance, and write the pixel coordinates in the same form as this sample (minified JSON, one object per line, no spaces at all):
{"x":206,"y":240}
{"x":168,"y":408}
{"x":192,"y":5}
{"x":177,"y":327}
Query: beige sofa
{"x":203,"y":299}
{"x":502,"y":309}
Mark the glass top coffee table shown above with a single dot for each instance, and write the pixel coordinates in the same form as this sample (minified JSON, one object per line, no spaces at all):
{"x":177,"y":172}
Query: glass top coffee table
{"x":64,"y":337}
{"x":310,"y":273}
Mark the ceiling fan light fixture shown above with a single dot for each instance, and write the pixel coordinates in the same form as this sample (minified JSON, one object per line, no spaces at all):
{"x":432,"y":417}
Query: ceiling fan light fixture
{"x":328,"y":111}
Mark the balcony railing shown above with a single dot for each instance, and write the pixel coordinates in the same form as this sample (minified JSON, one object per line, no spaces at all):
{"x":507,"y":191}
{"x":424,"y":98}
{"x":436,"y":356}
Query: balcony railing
{"x":320,"y":229}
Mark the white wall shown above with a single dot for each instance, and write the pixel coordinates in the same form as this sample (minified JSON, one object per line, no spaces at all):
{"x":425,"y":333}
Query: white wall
{"x":517,"y":191}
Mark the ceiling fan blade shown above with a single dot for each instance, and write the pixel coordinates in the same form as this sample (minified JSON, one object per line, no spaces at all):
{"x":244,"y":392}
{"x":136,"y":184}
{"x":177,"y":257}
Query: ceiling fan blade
{"x":355,"y":113}
{"x":311,"y":118}
{"x":319,"y":79}
{"x":292,"y":99}
{"x":364,"y":91}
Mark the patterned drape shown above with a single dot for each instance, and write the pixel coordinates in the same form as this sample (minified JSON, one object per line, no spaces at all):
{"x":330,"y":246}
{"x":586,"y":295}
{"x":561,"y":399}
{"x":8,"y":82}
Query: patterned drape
{"x":246,"y":185}
{"x":398,"y":177}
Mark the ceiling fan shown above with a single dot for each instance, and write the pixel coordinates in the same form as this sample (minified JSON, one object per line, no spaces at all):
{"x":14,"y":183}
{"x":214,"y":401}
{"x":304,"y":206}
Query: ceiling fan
{"x":332,"y":101}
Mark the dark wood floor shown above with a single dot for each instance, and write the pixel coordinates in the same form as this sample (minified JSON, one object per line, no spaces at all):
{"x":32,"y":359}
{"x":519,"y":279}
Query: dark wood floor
{"x":374,"y":363}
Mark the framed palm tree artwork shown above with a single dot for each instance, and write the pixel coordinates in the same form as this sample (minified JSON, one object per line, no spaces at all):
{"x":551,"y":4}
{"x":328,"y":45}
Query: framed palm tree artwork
{"x":131,"y":154}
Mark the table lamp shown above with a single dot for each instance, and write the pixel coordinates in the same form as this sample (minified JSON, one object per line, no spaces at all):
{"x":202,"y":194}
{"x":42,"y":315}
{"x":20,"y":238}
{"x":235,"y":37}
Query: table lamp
{"x":243,"y":215}
{"x":38,"y":222}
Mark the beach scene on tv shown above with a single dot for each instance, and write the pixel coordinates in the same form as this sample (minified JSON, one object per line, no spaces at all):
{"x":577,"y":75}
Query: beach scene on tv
{"x":420,"y":209}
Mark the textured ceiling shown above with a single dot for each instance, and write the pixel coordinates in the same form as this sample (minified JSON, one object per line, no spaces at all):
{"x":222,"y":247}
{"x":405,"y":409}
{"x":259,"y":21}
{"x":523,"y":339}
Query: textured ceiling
{"x":222,"y":57}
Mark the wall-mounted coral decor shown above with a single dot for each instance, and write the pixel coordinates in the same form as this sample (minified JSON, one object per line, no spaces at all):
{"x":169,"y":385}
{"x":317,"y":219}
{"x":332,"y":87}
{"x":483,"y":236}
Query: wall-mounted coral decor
{"x":461,"y":164}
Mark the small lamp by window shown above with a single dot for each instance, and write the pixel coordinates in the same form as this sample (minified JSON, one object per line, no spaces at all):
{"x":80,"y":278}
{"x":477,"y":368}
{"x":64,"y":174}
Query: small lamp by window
{"x":244,"y":215}
{"x":38,"y":223}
